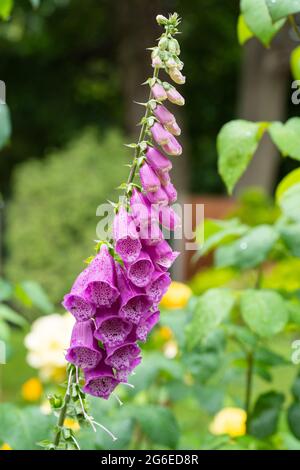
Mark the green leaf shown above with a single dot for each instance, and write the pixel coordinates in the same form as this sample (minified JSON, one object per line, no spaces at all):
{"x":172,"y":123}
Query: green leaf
{"x":287,"y":182}
{"x":293,"y":416}
{"x":259,"y":20}
{"x":8,"y":314}
{"x":217,"y":232}
{"x":4,"y":331}
{"x":294,"y":311}
{"x":158,"y":423}
{"x":280,"y":9}
{"x":296,"y":388}
{"x":290,"y":202}
{"x":23,"y":428}
{"x":243,"y":32}
{"x":211,"y":309}
{"x":5,"y":8}
{"x":264,"y":311}
{"x":290,"y":234}
{"x":237,"y":142}
{"x":269,"y":358}
{"x":295,"y":63}
{"x":5,"y":127}
{"x":31,"y":294}
{"x":287,"y":137}
{"x":35,"y":3}
{"x":5,"y":290}
{"x":250,"y":250}
{"x":210,"y":398}
{"x":264,"y":419}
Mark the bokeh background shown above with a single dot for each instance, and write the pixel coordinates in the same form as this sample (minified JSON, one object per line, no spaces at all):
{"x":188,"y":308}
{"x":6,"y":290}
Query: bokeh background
{"x":72,"y":71}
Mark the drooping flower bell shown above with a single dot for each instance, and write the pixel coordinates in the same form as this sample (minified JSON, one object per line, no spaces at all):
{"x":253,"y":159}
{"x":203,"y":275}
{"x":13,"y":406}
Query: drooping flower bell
{"x":127,"y":242}
{"x":84,"y":351}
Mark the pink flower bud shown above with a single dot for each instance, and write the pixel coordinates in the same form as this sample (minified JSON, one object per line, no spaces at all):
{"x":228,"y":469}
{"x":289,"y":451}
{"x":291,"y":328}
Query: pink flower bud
{"x":159,"y":162}
{"x":171,"y":192}
{"x":158,"y":197}
{"x":175,"y":97}
{"x":163,"y":115}
{"x":176,"y":75}
{"x":172,"y":147}
{"x":156,"y":62}
{"x":149,"y":179}
{"x":164,"y":178}
{"x":160,"y":134}
{"x":173,"y":128}
{"x":168,"y":218}
{"x":158,"y":92}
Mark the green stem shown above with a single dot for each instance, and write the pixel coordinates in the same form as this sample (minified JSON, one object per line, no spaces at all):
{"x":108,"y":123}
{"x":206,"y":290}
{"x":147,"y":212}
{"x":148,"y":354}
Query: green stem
{"x":294,"y":25}
{"x":143,"y":131}
{"x":249,"y":380}
{"x":64,"y":409}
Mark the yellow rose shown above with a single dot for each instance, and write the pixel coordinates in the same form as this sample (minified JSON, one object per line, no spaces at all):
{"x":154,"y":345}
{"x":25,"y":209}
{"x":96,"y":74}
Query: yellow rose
{"x":231,"y":421}
{"x":32,"y":389}
{"x":5,"y":446}
{"x":177,"y":296}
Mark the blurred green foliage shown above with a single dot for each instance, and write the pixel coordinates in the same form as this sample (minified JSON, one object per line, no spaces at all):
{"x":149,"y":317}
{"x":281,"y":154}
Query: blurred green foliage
{"x":51,"y":220}
{"x":62,"y":76}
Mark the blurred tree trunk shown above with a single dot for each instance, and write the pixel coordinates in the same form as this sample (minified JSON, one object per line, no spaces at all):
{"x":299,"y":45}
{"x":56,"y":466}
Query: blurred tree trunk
{"x":137,"y":30}
{"x":263,"y":95}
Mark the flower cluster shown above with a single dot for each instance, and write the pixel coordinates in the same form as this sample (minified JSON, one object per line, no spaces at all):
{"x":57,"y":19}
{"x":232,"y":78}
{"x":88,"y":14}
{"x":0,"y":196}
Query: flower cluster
{"x":115,"y":299}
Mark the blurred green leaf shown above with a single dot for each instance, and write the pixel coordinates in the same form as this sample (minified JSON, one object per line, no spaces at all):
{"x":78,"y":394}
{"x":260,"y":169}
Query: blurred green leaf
{"x":210,"y":398}
{"x":158,"y":423}
{"x":5,"y":290}
{"x":212,"y":308}
{"x":4,"y":331}
{"x":279,"y":9}
{"x":30,"y":293}
{"x":237,"y":142}
{"x":295,"y":63}
{"x":259,"y":21}
{"x":290,"y":234}
{"x":250,"y":250}
{"x":217,"y":232}
{"x":243,"y":32}
{"x":270,"y":358}
{"x":23,"y":428}
{"x":293,"y":416}
{"x":287,"y":137}
{"x":264,"y":418}
{"x":5,"y":126}
{"x":10,"y":315}
{"x":264,"y":311}
{"x":290,"y":202}
{"x":5,"y":10}
{"x":296,"y":388}
{"x":287,"y":182}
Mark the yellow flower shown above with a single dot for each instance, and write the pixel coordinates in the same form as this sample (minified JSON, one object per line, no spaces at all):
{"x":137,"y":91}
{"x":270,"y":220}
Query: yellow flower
{"x":177,"y":296}
{"x":72,"y":424}
{"x":5,"y":446}
{"x":32,"y":389}
{"x":165,"y":333}
{"x":231,"y":421}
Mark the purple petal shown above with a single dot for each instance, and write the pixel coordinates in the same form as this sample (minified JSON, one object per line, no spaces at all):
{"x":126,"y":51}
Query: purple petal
{"x":127,"y":245}
{"x":100,"y":381}
{"x":84,"y":351}
{"x":140,"y":271}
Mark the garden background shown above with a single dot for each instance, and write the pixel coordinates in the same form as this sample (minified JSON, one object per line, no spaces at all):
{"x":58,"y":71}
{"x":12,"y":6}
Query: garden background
{"x":72,"y":72}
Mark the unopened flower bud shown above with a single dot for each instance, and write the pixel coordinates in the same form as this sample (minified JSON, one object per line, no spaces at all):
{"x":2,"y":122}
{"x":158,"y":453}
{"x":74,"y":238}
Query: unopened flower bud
{"x":162,"y":20}
{"x":173,"y":46}
{"x":163,"y":43}
{"x":158,"y":92}
{"x":174,"y":96}
{"x":176,"y":75}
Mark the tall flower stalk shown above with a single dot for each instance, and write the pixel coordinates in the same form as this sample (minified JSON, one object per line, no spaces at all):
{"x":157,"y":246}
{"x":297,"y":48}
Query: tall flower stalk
{"x":115,"y":299}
